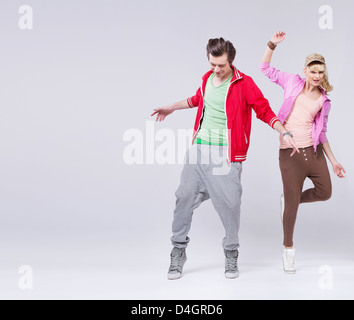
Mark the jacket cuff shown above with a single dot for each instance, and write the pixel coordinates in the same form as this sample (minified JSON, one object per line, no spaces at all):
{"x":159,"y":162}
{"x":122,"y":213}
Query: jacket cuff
{"x":264,"y":65}
{"x":273,"y":121}
{"x":323,"y":138}
{"x":190,"y":104}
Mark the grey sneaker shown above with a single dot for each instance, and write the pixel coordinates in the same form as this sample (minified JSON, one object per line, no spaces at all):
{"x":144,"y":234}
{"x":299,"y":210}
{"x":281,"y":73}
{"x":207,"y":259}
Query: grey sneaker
{"x":231,"y":269}
{"x":178,"y":259}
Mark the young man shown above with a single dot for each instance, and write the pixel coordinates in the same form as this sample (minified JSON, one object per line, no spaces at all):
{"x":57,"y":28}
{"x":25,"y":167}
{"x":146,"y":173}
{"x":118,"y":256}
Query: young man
{"x":220,"y":144}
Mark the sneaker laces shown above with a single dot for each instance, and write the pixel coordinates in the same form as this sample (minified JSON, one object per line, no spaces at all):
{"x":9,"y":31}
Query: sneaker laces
{"x":176,"y":262}
{"x":290,"y":260}
{"x":231,"y":263}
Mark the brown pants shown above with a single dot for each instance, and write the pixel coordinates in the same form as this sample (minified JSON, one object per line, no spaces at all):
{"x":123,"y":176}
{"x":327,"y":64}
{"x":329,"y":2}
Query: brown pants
{"x":295,"y":170}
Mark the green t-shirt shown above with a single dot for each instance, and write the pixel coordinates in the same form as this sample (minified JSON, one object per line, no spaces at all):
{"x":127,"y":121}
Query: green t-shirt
{"x":214,"y":126}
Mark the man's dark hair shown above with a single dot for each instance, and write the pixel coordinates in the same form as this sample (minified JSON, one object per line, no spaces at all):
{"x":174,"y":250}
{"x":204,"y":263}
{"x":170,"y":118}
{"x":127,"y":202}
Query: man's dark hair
{"x":218,"y":47}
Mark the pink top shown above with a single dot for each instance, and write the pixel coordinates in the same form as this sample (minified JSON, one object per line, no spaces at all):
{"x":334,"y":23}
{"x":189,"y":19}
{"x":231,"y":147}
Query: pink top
{"x":293,"y":85}
{"x":300,"y":121}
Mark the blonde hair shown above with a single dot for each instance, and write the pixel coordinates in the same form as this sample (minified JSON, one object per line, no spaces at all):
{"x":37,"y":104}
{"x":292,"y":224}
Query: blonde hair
{"x":321,"y":67}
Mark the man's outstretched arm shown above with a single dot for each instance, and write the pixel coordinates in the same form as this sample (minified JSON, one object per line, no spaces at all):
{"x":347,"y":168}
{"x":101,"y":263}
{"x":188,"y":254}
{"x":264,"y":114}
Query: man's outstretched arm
{"x":163,"y":112}
{"x":189,"y":103}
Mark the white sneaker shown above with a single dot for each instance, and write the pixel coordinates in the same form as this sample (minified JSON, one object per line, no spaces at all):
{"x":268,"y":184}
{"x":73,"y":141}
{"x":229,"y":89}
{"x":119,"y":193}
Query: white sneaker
{"x":282,"y":207}
{"x":289,"y":261}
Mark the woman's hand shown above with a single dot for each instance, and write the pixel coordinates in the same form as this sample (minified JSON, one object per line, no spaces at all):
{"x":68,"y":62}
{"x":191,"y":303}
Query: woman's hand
{"x":338,"y":169}
{"x":278,"y":37}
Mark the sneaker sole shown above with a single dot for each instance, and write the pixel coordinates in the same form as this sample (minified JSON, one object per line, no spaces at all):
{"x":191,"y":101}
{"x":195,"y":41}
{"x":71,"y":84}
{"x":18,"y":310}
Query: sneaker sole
{"x":232,"y":275}
{"x":289,"y":272}
{"x":174,"y":276}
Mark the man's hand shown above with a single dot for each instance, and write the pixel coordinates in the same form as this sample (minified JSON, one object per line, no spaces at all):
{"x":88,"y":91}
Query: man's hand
{"x":287,"y":137}
{"x":163,"y":112}
{"x":290,"y":141}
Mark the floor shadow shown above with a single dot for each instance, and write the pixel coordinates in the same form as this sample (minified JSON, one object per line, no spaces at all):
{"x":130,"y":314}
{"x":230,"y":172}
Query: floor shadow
{"x":207,"y":267}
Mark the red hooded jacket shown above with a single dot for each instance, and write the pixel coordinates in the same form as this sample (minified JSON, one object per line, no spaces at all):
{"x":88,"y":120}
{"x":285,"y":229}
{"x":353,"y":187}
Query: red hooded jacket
{"x":242,"y":96}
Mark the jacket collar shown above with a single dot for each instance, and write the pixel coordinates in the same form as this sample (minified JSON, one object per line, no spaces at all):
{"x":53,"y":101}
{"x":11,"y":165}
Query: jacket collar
{"x":325,"y":97}
{"x":237,"y":75}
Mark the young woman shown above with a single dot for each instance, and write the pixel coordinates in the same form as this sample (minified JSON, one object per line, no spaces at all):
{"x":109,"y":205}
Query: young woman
{"x":304,"y":114}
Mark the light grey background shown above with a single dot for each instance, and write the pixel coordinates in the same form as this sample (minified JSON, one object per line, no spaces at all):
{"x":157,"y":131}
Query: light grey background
{"x":91,"y":226}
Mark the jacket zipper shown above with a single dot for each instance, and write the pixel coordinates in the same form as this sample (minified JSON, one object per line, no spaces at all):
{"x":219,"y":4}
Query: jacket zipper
{"x":201,"y":119}
{"x":324,"y":101}
{"x":227,"y":128}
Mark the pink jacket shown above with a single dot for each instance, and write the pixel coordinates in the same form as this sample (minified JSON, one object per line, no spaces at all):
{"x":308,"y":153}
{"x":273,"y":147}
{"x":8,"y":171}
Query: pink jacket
{"x":293,"y":85}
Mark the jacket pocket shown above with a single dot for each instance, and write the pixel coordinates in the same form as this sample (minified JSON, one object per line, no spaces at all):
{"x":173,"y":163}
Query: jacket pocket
{"x":245,"y":134}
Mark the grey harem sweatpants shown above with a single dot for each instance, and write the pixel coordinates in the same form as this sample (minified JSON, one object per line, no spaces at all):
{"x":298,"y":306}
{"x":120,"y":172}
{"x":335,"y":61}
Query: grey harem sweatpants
{"x":208,"y":175}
